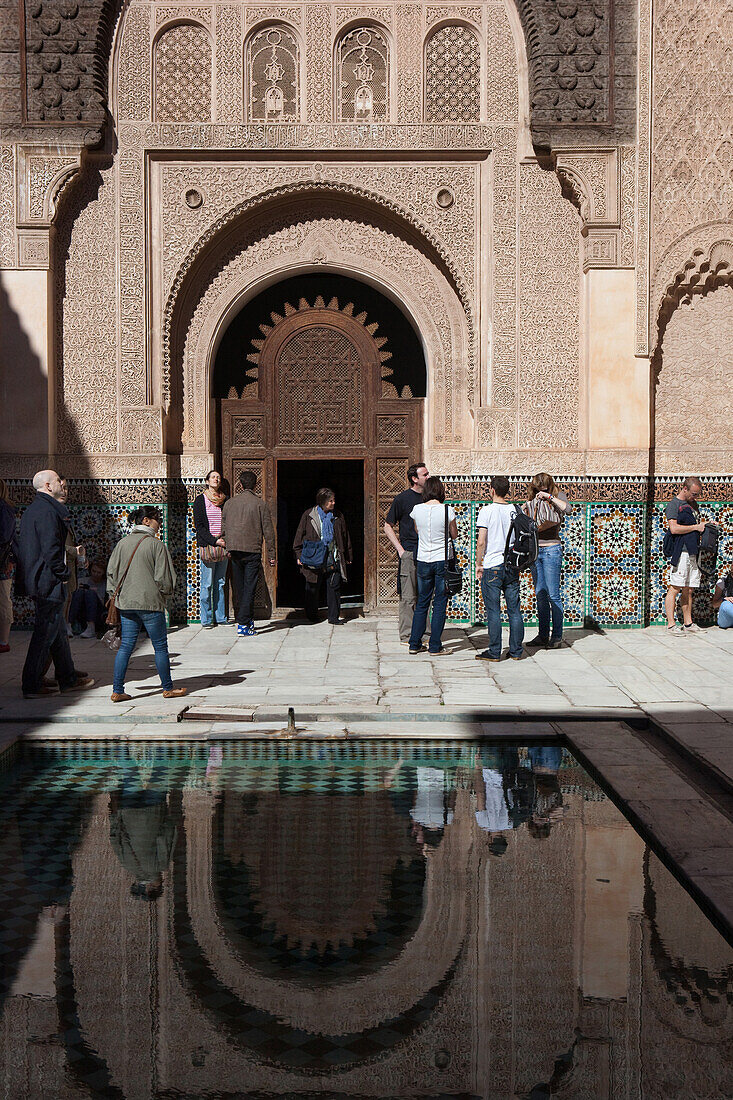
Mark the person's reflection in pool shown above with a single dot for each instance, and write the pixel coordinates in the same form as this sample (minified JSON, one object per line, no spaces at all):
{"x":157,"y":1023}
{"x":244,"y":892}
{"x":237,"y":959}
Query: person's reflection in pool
{"x":141,"y":830}
{"x":429,"y":800}
{"x":548,"y":805}
{"x":501,"y":795}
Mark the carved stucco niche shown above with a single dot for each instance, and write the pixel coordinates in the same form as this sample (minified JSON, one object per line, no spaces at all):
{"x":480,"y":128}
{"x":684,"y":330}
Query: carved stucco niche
{"x":591,"y":180}
{"x":316,"y":232}
{"x":691,"y":365}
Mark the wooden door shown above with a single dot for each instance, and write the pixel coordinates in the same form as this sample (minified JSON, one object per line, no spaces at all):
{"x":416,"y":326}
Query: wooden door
{"x":317,"y":393}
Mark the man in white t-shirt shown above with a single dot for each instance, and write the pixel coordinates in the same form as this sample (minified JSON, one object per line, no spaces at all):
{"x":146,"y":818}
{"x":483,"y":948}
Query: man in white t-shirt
{"x":494,"y":524}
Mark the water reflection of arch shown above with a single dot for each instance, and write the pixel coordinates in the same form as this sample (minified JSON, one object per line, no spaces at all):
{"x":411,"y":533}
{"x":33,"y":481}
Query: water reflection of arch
{"x":408,"y":986}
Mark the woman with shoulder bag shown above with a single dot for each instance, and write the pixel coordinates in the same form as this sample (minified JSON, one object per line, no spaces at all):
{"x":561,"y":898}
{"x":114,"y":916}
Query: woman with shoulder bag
{"x":548,"y":507}
{"x":213,"y":556}
{"x":140,"y":581}
{"x":322,"y":547}
{"x":430,"y":518}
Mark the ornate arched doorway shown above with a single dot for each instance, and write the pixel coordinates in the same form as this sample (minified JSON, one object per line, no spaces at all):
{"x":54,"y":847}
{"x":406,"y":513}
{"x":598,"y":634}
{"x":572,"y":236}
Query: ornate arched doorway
{"x":320,"y":380}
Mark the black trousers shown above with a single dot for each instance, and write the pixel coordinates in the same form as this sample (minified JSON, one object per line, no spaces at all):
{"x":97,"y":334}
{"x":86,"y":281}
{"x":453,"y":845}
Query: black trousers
{"x":48,"y":637}
{"x":245,"y":574}
{"x":333,"y":596}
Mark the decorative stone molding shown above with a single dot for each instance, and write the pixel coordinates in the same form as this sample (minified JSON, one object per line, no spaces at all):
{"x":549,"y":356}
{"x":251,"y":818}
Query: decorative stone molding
{"x":696,"y":261}
{"x":42,"y":174}
{"x":34,"y":249}
{"x":353,"y":245}
{"x":591,"y":180}
{"x":337,"y":188}
{"x":142,"y":430}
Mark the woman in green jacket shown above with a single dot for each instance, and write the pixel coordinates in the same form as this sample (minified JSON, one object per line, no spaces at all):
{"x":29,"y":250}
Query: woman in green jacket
{"x":142,"y":598}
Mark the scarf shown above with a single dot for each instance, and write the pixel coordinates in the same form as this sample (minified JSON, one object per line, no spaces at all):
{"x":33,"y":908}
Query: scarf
{"x":326,"y":519}
{"x":215,"y":496}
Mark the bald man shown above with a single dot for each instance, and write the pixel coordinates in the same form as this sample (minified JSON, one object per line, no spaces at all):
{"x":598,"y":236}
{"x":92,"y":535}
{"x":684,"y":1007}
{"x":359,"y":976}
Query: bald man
{"x":42,"y":574}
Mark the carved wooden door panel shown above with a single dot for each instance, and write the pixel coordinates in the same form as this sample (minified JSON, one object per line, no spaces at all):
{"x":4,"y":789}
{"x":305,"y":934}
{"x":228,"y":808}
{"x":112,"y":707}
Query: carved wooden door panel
{"x":319,"y":395}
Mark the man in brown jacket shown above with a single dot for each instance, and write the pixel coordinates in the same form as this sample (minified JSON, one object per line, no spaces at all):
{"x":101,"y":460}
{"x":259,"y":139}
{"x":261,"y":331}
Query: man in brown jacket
{"x":245,"y":522}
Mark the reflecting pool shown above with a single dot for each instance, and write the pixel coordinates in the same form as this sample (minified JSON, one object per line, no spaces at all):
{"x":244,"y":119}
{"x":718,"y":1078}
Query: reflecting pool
{"x":375,"y":919}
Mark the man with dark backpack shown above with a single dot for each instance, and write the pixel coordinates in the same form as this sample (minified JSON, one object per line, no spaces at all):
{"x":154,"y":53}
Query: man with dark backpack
{"x":503,"y":549}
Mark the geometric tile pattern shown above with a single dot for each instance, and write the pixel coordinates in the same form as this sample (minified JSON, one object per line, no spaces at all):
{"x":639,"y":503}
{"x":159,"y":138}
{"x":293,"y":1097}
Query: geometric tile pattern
{"x":602,"y":574}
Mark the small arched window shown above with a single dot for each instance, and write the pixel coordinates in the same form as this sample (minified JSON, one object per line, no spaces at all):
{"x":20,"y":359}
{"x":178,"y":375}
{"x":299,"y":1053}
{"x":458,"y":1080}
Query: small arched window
{"x":453,"y":75}
{"x":362,"y":76}
{"x":182,"y":75}
{"x":273,"y":75}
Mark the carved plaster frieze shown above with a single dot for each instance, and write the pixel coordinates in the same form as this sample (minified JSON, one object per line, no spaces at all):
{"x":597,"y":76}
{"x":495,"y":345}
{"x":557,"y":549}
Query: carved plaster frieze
{"x":590,"y":180}
{"x":341,"y":244}
{"x":176,"y":13}
{"x":275,"y":12}
{"x":415,"y":187}
{"x":425,"y":137}
{"x":348,"y":12}
{"x":335,"y":188}
{"x":141,"y":430}
{"x":699,"y":259}
{"x":34,"y":248}
{"x":438,"y":13}
{"x":42,"y":174}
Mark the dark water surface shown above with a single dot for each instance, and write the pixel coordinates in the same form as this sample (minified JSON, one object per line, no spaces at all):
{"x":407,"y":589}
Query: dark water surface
{"x":377,"y":919}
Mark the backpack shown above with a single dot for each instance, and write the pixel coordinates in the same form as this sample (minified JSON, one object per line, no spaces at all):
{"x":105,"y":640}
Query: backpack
{"x":710,"y":537}
{"x":524,"y":550}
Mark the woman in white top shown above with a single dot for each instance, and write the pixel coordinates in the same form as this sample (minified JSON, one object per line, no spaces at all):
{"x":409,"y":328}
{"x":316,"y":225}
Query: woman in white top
{"x":429,"y":520}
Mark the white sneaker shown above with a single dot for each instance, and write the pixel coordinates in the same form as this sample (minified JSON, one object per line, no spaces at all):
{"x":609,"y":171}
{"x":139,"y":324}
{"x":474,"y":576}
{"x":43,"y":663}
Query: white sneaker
{"x":89,"y":632}
{"x":692,"y":628}
{"x":677,"y":630}
{"x":69,"y":631}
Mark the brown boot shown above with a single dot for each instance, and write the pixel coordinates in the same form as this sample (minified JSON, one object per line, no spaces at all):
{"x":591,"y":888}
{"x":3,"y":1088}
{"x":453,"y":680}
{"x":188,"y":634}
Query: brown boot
{"x":120,"y":697}
{"x":174,"y":693}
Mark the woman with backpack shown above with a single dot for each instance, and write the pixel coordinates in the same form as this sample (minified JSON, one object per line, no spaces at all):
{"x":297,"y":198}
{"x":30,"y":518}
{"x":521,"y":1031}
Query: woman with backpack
{"x":548,"y":507}
{"x":141,"y":580}
{"x":322,"y":547}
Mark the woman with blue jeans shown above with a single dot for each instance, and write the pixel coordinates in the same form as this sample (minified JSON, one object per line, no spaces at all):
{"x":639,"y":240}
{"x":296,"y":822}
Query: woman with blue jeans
{"x":429,"y":520}
{"x":141,"y":574}
{"x":548,"y":507}
{"x":213,"y":558}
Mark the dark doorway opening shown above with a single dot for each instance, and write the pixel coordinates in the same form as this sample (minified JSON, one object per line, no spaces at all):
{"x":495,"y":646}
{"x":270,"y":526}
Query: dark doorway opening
{"x":298,"y":481}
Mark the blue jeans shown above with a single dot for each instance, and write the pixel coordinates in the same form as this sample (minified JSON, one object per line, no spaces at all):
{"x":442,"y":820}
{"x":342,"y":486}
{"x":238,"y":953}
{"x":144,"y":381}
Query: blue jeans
{"x":725,"y":615}
{"x":494,"y":581}
{"x":154,"y":623}
{"x":430,"y":585}
{"x":546,"y":577}
{"x":213,"y":578}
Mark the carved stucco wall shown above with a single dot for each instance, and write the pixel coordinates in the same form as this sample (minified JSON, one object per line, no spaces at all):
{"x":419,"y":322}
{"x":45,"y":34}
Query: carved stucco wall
{"x":694,"y":394}
{"x":692,"y":152}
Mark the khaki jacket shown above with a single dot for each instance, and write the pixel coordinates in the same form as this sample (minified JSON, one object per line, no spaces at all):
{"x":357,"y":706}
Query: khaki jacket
{"x":245,"y":522}
{"x":151,"y":579}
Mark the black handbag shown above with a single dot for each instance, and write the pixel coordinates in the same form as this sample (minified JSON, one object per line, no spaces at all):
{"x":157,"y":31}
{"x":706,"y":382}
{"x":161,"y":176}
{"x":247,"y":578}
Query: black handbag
{"x":710,"y":537}
{"x":453,"y":573}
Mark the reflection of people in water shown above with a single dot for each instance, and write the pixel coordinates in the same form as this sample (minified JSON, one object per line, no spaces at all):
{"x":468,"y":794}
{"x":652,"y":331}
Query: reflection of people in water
{"x":503,"y":795}
{"x":548,"y":808}
{"x":141,"y":831}
{"x":427,"y":795}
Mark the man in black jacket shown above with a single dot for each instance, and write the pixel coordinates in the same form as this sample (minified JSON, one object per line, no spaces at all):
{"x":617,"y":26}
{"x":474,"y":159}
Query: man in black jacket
{"x":42,"y":574}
